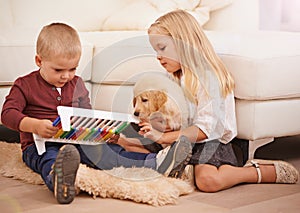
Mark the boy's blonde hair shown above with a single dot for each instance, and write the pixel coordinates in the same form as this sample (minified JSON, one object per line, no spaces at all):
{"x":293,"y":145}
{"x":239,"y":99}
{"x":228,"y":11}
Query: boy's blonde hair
{"x":195,"y":52}
{"x":58,"y":39}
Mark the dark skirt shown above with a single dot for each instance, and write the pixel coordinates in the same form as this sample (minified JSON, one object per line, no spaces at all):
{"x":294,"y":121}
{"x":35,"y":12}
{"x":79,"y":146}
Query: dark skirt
{"x":214,"y":153}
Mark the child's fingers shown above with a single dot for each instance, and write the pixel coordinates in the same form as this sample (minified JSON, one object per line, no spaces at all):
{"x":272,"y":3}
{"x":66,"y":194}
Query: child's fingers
{"x":145,"y":128}
{"x":114,"y":138}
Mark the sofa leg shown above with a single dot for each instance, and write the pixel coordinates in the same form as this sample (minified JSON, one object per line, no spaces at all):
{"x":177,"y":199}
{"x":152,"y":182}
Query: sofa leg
{"x":253,"y":145}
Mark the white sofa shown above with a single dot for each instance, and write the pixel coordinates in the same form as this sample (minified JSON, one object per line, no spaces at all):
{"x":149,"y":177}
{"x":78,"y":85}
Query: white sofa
{"x":116,"y":51}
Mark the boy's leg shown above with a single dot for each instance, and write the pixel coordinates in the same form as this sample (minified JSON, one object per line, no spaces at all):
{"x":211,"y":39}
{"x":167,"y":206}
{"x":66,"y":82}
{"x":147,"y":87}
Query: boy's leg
{"x":64,"y":173}
{"x":170,"y":161}
{"x":108,"y":156}
{"x":41,"y":164}
{"x":57,"y":167}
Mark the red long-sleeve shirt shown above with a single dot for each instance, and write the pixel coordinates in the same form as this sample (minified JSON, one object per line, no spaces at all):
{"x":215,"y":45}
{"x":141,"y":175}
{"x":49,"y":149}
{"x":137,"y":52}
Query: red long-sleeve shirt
{"x":32,"y":96}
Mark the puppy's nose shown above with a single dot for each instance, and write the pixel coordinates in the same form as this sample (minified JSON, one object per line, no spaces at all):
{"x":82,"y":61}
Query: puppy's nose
{"x":136,"y":113}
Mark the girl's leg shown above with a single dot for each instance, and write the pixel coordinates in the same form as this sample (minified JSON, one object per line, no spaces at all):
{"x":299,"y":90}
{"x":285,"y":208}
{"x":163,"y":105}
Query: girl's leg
{"x":209,"y":178}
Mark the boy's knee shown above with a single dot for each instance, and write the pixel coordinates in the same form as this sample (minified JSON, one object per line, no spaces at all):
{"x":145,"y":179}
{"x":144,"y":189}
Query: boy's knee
{"x":208,"y":183}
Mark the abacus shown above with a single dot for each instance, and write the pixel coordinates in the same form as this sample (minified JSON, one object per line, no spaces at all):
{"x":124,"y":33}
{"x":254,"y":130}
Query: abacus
{"x":85,"y":126}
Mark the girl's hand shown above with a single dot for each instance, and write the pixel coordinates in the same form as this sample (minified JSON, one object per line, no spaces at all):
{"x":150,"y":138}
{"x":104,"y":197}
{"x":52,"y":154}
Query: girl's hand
{"x":44,"y":128}
{"x":147,"y":131}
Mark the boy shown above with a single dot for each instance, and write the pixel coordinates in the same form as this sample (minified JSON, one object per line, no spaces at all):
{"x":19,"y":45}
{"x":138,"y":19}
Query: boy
{"x":31,"y":107}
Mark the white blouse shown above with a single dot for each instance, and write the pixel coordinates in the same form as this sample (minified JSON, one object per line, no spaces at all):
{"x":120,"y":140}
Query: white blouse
{"x":214,"y":115}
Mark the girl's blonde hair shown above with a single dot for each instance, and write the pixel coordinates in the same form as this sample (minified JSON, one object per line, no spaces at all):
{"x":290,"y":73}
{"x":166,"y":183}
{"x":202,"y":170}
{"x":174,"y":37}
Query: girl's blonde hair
{"x":195,"y":52}
{"x":58,"y":39}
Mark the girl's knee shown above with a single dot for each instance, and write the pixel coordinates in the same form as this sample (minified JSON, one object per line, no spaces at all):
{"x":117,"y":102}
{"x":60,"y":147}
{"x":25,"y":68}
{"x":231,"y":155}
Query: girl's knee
{"x":208,"y":183}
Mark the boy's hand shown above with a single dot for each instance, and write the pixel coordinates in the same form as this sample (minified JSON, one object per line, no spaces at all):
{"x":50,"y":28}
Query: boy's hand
{"x":41,"y":127}
{"x":44,"y":128}
{"x":114,"y":139}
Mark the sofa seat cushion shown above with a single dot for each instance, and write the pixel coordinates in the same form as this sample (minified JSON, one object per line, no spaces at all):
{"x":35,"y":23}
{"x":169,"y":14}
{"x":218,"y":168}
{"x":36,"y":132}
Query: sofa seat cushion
{"x":113,"y":97}
{"x":265,"y":65}
{"x":121,"y":56}
{"x":267,"y":119}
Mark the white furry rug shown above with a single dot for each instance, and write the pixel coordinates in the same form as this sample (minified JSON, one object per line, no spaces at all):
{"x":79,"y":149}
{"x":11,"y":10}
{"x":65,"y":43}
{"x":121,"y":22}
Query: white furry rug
{"x":140,"y":185}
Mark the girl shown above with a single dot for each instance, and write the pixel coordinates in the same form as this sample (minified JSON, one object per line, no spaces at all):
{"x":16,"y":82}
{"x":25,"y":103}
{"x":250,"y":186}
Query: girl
{"x":184,"y":51}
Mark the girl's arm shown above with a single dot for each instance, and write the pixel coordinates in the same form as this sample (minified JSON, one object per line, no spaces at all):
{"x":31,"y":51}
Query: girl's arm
{"x":131,"y":144}
{"x":193,"y":133}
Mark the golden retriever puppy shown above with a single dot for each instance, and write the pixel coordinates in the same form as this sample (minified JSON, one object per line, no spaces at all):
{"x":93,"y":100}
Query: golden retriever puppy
{"x":158,"y":98}
{"x":157,"y":105}
{"x":159,"y":101}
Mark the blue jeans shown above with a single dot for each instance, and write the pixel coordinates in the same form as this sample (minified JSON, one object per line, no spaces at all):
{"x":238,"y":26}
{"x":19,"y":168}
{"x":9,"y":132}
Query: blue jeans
{"x":103,"y":156}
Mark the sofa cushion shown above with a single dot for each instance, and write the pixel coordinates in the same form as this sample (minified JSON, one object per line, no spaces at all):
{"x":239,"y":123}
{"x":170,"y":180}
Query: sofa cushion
{"x":84,"y":16}
{"x":120,"y":58}
{"x":132,"y":17}
{"x":241,"y":15}
{"x":17,"y":55}
{"x":113,"y":97}
{"x":267,"y":119}
{"x":121,"y":55}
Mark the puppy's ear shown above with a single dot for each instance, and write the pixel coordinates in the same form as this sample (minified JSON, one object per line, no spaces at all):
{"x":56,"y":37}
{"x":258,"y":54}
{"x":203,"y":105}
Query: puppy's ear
{"x":161,"y":99}
{"x":172,"y":114}
{"x":134,"y":101}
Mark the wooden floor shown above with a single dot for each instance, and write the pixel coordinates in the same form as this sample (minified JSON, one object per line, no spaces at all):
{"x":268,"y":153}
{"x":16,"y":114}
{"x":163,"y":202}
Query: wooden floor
{"x":16,"y":196}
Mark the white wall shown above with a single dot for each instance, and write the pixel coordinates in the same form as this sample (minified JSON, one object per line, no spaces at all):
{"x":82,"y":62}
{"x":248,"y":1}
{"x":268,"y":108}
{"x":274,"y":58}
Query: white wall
{"x":251,"y":15}
{"x":279,"y":15}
